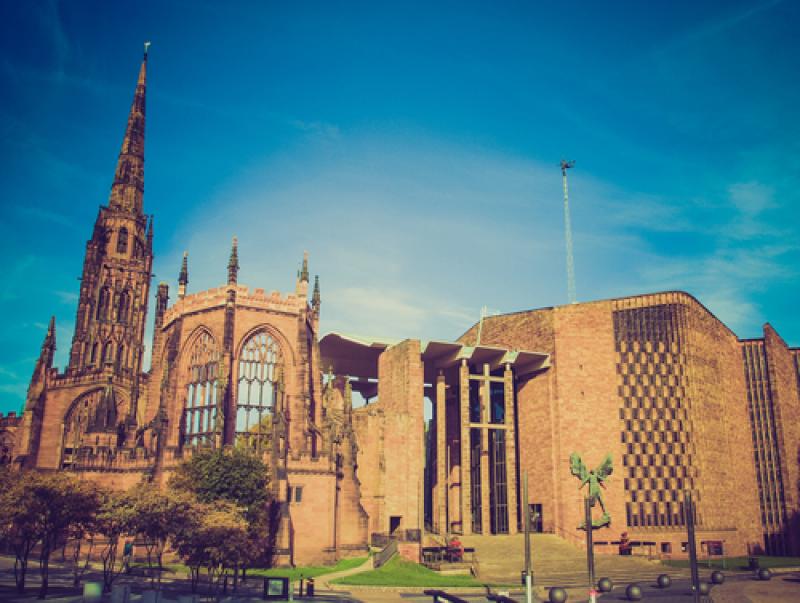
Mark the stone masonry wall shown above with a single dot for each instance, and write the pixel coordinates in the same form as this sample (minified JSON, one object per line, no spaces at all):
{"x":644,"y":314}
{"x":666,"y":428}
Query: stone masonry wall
{"x":786,"y":400}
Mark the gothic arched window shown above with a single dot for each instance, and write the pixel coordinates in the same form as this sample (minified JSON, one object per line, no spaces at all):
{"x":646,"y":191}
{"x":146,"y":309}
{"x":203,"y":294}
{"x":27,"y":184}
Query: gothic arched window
{"x":124,"y":307}
{"x":93,"y":356}
{"x":103,"y":303}
{"x":91,"y":420}
{"x":201,"y":391}
{"x":122,"y":240}
{"x":260,"y":365}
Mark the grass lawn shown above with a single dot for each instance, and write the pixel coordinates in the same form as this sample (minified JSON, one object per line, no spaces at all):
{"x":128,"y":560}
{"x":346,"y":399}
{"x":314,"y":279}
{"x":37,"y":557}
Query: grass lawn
{"x":294,"y":573}
{"x":738,"y":563}
{"x":399,"y":572}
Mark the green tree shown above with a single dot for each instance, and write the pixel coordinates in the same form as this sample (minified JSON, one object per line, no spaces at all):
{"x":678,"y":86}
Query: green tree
{"x":41,"y":508}
{"x":215,"y":537}
{"x":157,"y":516}
{"x":114,"y":520}
{"x":19,"y":528}
{"x":235,"y":475}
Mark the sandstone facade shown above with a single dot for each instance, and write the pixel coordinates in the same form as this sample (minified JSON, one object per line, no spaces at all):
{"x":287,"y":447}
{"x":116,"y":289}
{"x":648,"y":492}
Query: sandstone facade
{"x":656,"y":381}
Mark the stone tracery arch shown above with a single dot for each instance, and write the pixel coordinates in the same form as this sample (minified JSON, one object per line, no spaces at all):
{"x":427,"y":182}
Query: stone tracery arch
{"x":202,"y":373}
{"x":92,"y":420}
{"x":261,"y":366}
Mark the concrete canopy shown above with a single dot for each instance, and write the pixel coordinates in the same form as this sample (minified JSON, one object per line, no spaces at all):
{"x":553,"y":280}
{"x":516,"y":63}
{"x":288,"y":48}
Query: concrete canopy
{"x":357,"y":357}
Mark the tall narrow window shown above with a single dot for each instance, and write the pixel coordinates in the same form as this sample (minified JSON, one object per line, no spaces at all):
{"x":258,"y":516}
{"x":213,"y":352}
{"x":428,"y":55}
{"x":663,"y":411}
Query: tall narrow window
{"x":475,"y":477}
{"x":201,"y":391}
{"x":121,"y":357}
{"x":93,"y":357}
{"x":108,"y":352}
{"x":124,"y":307}
{"x":260,"y":363}
{"x":103,"y":303}
{"x":122,"y":240}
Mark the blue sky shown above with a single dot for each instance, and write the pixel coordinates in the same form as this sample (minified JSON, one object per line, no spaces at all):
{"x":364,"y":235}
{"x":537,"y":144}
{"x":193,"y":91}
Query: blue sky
{"x":412,"y":149}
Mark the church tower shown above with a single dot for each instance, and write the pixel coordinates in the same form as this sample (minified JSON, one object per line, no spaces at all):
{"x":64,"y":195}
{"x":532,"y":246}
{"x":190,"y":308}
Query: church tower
{"x":110,"y":323}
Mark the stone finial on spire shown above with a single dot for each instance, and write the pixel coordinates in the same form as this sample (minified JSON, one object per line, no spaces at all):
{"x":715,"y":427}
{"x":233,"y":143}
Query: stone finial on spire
{"x":315,"y":297}
{"x":183,"y":277}
{"x":127,"y":191}
{"x":233,"y":263}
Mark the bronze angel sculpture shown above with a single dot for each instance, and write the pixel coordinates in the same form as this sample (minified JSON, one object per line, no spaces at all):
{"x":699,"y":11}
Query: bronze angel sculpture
{"x":595,"y":480}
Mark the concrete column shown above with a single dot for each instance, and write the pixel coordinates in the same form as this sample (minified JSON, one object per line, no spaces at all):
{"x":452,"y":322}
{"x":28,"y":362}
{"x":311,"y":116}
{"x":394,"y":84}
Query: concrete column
{"x":440,"y":500}
{"x":511,"y":449}
{"x":486,"y":511}
{"x":466,"y":507}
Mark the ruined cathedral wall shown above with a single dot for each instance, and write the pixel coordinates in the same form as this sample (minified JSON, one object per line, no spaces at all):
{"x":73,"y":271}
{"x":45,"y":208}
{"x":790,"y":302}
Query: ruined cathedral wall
{"x":247,"y":321}
{"x":368,"y":426}
{"x":391,"y":453}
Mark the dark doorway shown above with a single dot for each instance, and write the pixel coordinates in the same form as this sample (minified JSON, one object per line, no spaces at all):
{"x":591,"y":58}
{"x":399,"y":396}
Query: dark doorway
{"x":537,"y":524}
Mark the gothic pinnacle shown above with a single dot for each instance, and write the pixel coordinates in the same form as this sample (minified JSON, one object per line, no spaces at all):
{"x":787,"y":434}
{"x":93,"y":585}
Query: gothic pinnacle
{"x":183,"y":277}
{"x":150,"y":233}
{"x":50,"y":338}
{"x":304,"y":271}
{"x":233,"y":263}
{"x":315,"y":297}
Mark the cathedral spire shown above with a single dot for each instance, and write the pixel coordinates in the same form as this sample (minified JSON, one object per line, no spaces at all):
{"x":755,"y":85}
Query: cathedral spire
{"x":183,"y":277}
{"x":233,"y":263}
{"x":127,"y":192}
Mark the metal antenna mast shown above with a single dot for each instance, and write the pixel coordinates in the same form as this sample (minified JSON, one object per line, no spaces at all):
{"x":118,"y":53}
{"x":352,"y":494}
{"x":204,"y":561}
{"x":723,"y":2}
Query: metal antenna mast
{"x":565,"y":165}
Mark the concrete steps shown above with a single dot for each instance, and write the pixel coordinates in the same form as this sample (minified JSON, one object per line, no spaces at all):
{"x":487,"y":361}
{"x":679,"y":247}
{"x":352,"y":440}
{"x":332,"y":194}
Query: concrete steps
{"x":556,"y":562}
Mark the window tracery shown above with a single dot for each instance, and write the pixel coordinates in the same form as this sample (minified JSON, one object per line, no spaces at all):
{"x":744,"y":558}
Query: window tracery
{"x":91,"y":421}
{"x":200,"y":412}
{"x":260,"y":367}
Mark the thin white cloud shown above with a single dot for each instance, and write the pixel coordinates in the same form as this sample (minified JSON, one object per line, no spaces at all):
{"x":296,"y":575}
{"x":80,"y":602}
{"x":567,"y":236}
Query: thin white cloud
{"x":413,"y":236}
{"x":67,"y":297}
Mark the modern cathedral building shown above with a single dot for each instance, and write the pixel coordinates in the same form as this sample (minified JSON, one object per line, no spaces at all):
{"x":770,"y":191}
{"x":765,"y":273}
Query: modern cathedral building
{"x":655,"y":381}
